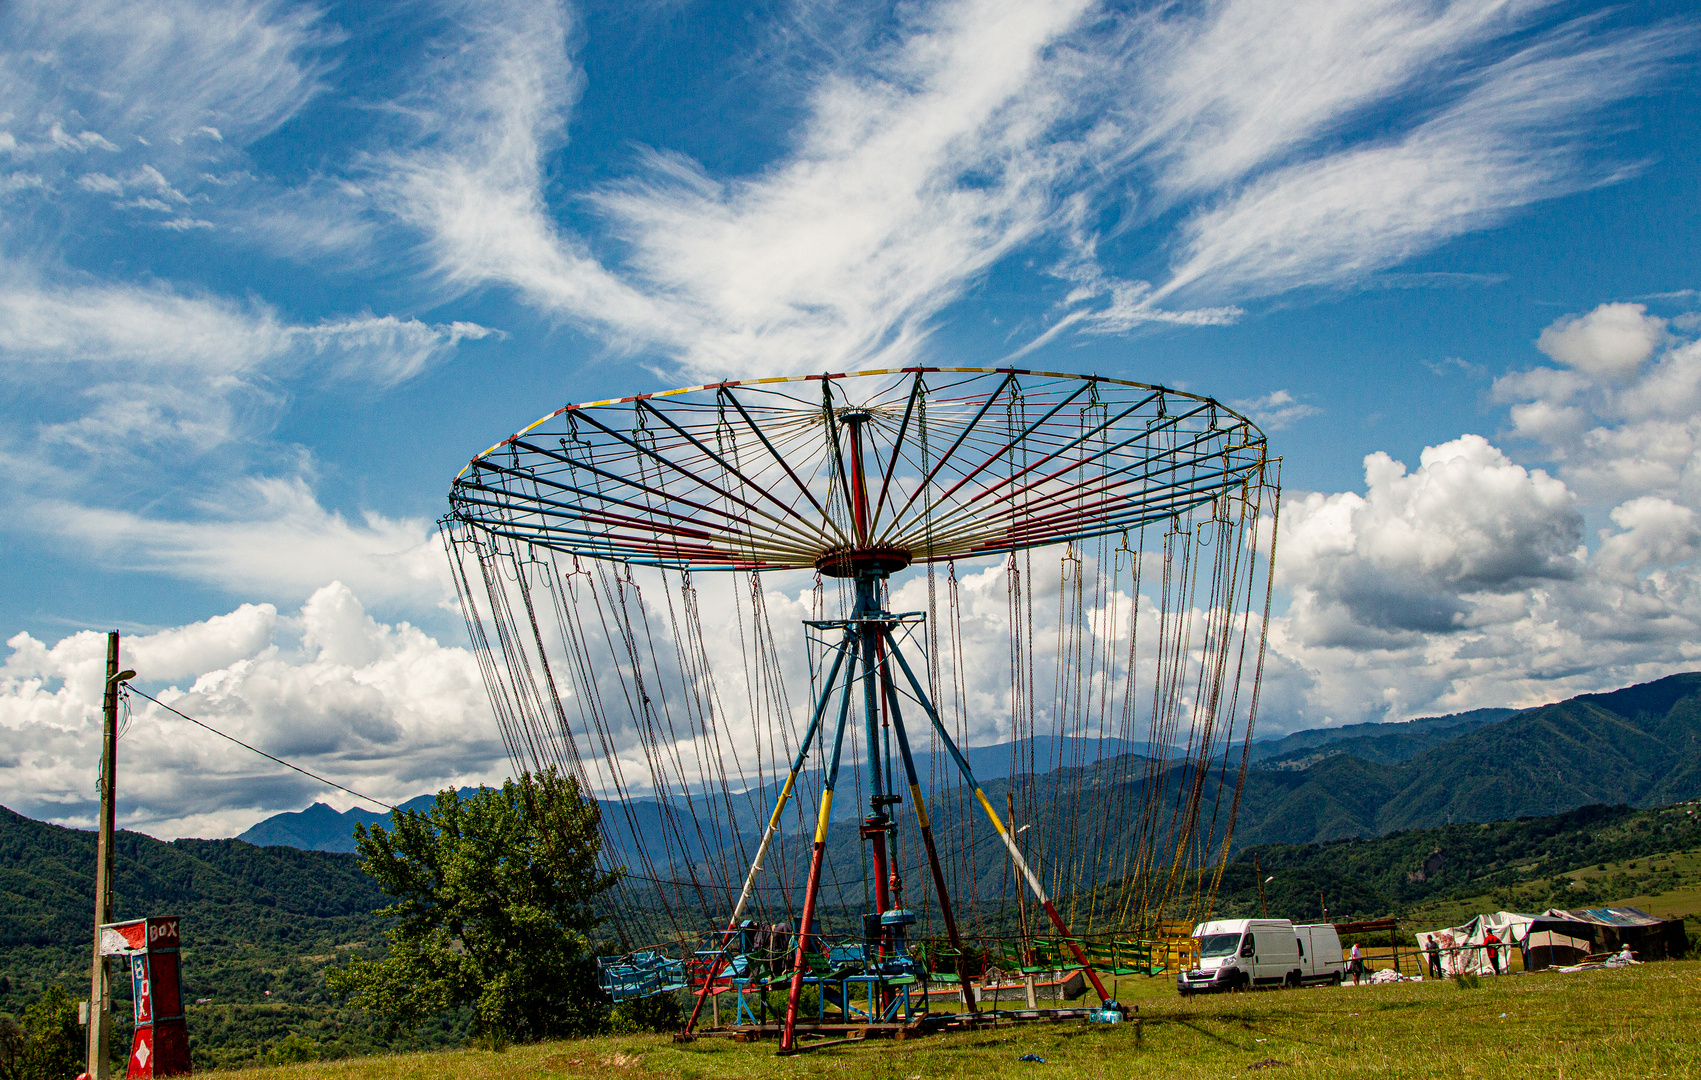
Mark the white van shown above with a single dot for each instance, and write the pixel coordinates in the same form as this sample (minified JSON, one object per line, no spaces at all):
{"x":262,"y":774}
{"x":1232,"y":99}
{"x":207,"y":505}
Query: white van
{"x":1320,"y":957}
{"x":1239,"y":954}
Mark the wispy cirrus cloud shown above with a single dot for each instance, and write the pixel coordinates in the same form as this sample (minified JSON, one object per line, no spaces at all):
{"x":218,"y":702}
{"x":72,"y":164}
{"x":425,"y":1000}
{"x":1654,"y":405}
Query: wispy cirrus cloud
{"x":940,"y":146}
{"x":265,"y":534}
{"x":109,"y":74}
{"x":1513,"y":139}
{"x":156,"y":366}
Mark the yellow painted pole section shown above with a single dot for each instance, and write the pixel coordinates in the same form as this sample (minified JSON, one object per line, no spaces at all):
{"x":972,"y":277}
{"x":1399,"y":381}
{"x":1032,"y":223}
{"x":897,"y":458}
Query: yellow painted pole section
{"x":1010,"y":845}
{"x":920,"y":807}
{"x":785,"y":794}
{"x":990,"y":812}
{"x":826,"y":811}
{"x":762,"y":850}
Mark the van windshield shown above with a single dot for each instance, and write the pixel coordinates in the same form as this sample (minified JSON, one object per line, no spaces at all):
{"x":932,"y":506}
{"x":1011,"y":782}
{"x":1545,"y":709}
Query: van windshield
{"x":1218,"y":945}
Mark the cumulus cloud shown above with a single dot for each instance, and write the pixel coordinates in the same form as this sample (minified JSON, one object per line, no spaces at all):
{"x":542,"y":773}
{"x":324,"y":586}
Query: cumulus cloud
{"x":1473,"y":579}
{"x":382,"y":708}
{"x":1610,"y":342}
{"x":1403,"y":559}
{"x":1616,"y":425}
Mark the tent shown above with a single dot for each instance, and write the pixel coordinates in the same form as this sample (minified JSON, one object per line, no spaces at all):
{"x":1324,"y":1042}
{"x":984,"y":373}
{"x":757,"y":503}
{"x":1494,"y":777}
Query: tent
{"x":1648,"y":937}
{"x":1462,"y":948}
{"x":1556,"y":938}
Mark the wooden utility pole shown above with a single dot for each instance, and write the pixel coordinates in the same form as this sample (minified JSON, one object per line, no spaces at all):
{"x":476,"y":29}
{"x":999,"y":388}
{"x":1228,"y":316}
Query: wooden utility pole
{"x":100,"y":988}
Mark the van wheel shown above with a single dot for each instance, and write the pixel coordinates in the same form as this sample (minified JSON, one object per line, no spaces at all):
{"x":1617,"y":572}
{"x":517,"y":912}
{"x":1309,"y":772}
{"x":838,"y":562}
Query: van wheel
{"x":1294,"y":980}
{"x":1339,"y":978}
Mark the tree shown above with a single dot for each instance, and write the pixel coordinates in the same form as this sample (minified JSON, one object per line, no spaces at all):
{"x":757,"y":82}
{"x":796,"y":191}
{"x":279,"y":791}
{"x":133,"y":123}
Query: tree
{"x":46,"y":1045}
{"x":495,"y":903}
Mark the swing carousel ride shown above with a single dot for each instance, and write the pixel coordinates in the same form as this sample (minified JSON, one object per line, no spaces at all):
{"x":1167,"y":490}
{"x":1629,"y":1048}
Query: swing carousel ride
{"x":1102,"y":546}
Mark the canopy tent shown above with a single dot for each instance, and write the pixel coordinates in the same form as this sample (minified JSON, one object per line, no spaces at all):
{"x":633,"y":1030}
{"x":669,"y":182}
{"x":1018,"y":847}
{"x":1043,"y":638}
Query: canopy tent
{"x":1556,"y":938}
{"x":1551,"y":938}
{"x":1648,"y":937}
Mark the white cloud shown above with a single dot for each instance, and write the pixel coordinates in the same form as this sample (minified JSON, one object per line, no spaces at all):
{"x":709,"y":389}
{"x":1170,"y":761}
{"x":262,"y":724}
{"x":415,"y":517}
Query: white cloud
{"x":971,"y":131}
{"x":158,"y":70}
{"x":1466,"y":583}
{"x":268,"y":536}
{"x":1403,"y":559}
{"x":1610,"y":342}
{"x":1276,"y":410}
{"x":383,"y":709}
{"x":108,"y":96}
{"x":1339,"y":217}
{"x":146,"y":367}
{"x":1615,"y":425}
{"x":836,"y":257}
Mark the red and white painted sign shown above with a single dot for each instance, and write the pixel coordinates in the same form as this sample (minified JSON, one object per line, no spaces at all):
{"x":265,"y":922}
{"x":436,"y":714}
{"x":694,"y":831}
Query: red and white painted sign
{"x":161,"y":1045}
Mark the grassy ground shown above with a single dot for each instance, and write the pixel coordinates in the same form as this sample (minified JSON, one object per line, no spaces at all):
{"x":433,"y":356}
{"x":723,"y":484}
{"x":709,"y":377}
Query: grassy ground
{"x":1638,"y":1022}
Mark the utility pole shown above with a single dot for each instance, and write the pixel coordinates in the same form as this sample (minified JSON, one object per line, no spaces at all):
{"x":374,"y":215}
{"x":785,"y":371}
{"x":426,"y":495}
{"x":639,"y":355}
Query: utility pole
{"x":100,"y":987}
{"x":1263,"y":911}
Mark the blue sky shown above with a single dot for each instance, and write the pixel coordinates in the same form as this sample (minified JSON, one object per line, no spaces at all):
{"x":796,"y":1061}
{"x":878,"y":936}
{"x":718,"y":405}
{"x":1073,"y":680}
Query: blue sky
{"x":270,"y":273}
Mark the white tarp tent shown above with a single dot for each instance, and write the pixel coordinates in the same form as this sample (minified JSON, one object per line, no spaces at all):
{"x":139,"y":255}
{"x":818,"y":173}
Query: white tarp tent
{"x":1549,"y":939}
{"x":1462,"y":948}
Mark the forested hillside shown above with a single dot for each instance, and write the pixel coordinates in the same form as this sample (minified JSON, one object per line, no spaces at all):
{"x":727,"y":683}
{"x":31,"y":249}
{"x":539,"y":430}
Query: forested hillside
{"x":259,"y":926}
{"x":1405,"y":871}
{"x":1640,"y":746}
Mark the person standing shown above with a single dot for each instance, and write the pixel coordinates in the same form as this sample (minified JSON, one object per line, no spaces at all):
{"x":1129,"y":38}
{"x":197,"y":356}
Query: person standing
{"x":1434,"y":958}
{"x":1357,"y":964}
{"x":1490,"y":941}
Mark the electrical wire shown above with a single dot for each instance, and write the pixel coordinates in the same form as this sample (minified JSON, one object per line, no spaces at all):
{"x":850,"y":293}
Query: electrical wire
{"x":330,"y":783}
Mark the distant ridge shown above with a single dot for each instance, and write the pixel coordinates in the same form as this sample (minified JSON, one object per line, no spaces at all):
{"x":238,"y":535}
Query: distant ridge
{"x":321,"y":828}
{"x":1386,"y":741}
{"x":1639,"y":746}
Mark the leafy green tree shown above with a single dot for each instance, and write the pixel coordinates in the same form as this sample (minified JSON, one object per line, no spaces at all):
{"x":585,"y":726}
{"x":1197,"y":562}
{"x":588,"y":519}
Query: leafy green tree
{"x":495,"y":903}
{"x":47,"y":1044}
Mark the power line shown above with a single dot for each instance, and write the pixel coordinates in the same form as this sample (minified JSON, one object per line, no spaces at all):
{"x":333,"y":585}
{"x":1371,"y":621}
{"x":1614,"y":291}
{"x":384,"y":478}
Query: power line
{"x":257,"y":750}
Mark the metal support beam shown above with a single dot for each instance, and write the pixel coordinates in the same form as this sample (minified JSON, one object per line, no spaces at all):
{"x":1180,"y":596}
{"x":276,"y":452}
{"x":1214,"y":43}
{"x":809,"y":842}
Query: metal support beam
{"x":773,"y":828}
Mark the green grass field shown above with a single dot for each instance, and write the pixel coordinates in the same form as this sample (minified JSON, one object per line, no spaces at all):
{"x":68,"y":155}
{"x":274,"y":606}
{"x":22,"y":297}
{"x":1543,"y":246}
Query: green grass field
{"x":1643,"y":1021}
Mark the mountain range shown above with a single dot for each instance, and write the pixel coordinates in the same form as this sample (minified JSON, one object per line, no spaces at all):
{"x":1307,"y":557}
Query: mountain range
{"x":1639,"y":746}
{"x":320,"y":827}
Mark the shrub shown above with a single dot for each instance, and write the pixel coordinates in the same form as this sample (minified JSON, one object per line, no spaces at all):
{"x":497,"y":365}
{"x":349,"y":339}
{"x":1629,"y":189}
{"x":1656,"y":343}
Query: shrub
{"x":47,"y":1044}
